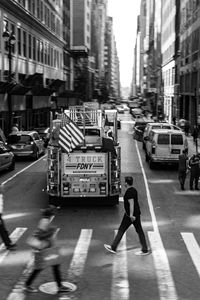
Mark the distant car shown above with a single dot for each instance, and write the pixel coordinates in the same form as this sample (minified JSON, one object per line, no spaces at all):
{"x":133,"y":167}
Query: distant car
{"x":44,"y":133}
{"x":7,"y":158}
{"x":110,"y":115}
{"x":120,"y":109}
{"x":26,"y":143}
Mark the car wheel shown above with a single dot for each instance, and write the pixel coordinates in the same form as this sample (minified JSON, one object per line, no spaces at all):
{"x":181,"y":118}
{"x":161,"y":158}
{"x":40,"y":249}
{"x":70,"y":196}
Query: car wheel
{"x":36,"y":154}
{"x":151,"y":164}
{"x":12,"y":166}
{"x":146,"y":157}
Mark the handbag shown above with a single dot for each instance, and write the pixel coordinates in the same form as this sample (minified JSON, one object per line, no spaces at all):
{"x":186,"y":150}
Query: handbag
{"x":35,"y":243}
{"x":47,"y":257}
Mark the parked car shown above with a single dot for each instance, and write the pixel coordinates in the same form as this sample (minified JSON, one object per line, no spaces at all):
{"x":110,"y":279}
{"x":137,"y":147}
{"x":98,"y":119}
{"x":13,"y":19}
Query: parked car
{"x":138,"y":130}
{"x":7,"y":158}
{"x":44,"y":133}
{"x":156,"y":125}
{"x":26,"y":143}
{"x":164,"y":146}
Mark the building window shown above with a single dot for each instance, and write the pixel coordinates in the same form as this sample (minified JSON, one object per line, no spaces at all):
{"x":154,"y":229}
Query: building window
{"x":29,"y":46}
{"x":38,"y":50}
{"x":42,"y":51}
{"x":24,"y":43}
{"x":13,"y":30}
{"x":45,"y":54}
{"x":19,"y":41}
{"x":34,"y":48}
{"x":52,"y":57}
{"x":33,"y":7}
{"x":49,"y":50}
{"x":38,"y":9}
{"x":42,"y":11}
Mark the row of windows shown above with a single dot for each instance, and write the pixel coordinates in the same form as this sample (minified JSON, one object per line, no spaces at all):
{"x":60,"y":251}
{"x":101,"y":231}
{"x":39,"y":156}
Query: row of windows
{"x":188,"y":82}
{"x":169,"y":77}
{"x":29,"y":46}
{"x":42,"y":12}
{"x":191,"y":43}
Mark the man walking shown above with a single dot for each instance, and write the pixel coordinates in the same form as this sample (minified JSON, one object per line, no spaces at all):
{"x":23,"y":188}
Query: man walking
{"x":3,"y":232}
{"x":194,"y":162}
{"x":131,"y":216}
{"x":182,"y":168}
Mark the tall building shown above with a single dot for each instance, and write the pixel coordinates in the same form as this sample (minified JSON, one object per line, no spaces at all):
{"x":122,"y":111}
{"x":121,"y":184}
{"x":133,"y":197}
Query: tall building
{"x":168,"y":56}
{"x":36,"y":57}
{"x":189,"y":106}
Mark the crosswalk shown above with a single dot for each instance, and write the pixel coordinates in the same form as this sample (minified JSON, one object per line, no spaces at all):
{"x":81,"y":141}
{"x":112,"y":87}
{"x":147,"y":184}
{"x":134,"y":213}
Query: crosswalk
{"x":120,"y":285}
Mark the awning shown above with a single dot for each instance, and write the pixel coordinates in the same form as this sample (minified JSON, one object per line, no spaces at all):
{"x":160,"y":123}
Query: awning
{"x":41,"y":91}
{"x":19,"y":89}
{"x":6,"y":87}
{"x":56,"y":84}
{"x":69,"y":94}
{"x":33,"y":80}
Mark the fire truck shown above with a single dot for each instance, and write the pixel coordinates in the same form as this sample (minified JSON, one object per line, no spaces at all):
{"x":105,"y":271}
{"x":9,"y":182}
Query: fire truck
{"x":92,"y":170}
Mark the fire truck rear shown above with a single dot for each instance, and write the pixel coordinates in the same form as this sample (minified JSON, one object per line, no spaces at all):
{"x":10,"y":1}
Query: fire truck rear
{"x":93,"y":169}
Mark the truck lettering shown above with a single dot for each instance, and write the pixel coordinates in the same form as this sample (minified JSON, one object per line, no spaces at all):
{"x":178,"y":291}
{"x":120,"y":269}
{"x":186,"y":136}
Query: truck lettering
{"x":84,"y":166}
{"x":88,"y":159}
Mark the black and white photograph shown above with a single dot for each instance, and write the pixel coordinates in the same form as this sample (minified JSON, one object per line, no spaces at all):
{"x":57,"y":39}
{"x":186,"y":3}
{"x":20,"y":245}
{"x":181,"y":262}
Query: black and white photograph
{"x":99,"y":149}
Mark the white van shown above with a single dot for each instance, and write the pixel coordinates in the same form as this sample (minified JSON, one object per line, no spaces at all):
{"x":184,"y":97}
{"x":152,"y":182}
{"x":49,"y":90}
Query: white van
{"x":164,"y":146}
{"x":156,"y":125}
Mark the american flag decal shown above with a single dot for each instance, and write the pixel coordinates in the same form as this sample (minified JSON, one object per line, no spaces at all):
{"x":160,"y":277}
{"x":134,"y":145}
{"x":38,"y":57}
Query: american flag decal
{"x":70,"y":135}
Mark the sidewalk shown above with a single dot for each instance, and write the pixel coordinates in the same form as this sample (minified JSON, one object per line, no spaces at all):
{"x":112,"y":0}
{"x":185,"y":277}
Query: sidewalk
{"x":192,"y":146}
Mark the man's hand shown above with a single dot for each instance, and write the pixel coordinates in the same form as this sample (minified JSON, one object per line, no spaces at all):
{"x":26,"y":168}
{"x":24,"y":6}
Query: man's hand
{"x":132,"y":218}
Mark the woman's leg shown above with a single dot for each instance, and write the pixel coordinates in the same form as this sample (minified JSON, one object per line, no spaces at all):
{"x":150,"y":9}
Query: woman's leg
{"x":57,"y":275}
{"x":32,"y":276}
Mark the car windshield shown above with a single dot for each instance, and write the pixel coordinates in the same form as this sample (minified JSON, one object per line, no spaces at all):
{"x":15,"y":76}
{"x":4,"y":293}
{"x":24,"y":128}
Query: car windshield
{"x":14,"y":139}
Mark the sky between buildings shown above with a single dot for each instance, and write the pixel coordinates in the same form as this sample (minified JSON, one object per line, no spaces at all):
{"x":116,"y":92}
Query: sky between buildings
{"x":124,"y":13}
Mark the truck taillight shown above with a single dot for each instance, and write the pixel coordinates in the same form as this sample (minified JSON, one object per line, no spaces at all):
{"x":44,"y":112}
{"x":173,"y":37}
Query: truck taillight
{"x":66,"y":187}
{"x":153,"y":150}
{"x":102,"y":187}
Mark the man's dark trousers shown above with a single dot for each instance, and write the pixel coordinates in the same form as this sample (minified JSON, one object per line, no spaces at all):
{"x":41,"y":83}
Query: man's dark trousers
{"x":125,"y":224}
{"x":4,"y":233}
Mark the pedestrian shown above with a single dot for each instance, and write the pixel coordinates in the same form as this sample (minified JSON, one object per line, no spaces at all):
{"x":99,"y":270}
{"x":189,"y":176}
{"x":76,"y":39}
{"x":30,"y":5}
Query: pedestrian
{"x":3,"y":231}
{"x":193,"y":164}
{"x":45,"y":234}
{"x":195,"y":134}
{"x":15,"y":128}
{"x":182,"y":168}
{"x":131,"y":217}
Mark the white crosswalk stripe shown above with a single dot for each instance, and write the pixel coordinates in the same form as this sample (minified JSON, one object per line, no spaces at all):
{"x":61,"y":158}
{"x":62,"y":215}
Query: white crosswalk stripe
{"x":120,"y":283}
{"x":193,"y":248}
{"x":80,"y":254}
{"x":166,"y":285}
{"x":14,"y":236}
{"x":120,"y":289}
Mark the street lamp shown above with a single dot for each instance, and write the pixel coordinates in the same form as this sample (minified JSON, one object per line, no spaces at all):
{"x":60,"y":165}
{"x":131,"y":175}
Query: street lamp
{"x":9,"y":38}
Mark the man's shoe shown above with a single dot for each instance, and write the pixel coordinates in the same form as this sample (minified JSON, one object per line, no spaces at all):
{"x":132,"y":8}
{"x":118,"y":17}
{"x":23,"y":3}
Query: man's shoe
{"x":197,"y":189}
{"x":142,"y":253}
{"x":109,"y":248}
{"x":30,"y":289}
{"x":64,"y":289}
{"x":11,"y":247}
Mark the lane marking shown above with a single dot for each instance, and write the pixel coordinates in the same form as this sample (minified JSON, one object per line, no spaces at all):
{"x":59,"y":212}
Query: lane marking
{"x":120,"y":283}
{"x":80,"y":254}
{"x":14,"y":236}
{"x":161,"y":263}
{"x":18,"y":173}
{"x":166,"y":288}
{"x":193,"y":248}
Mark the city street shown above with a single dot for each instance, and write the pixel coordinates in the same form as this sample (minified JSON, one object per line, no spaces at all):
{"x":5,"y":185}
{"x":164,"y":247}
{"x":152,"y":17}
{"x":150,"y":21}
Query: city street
{"x":170,"y":218}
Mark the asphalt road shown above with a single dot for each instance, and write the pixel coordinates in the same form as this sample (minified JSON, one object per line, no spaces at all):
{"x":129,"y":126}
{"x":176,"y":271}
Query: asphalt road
{"x":170,"y":218}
